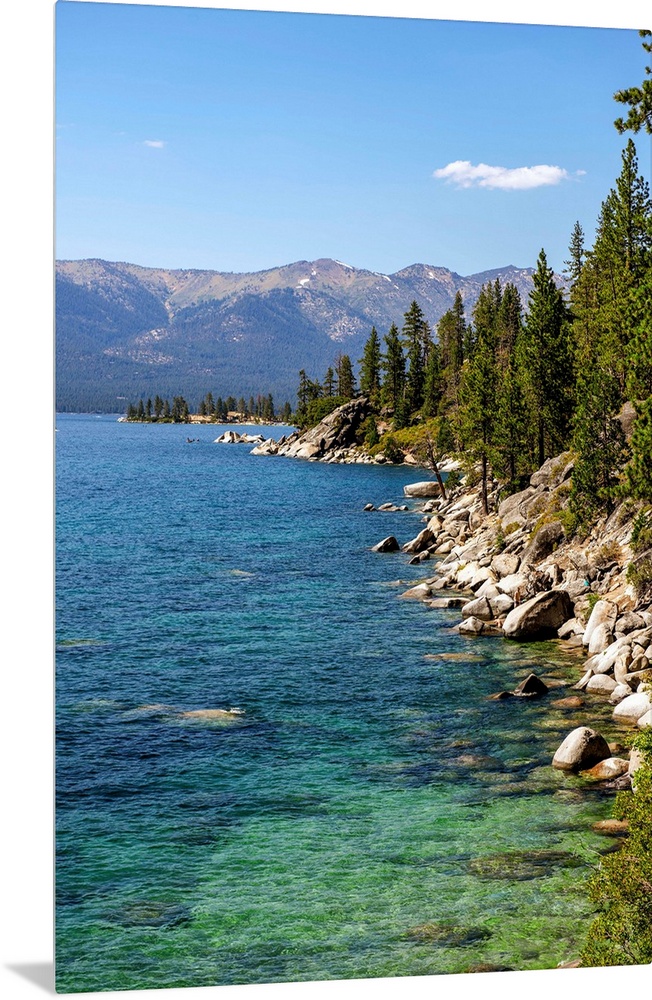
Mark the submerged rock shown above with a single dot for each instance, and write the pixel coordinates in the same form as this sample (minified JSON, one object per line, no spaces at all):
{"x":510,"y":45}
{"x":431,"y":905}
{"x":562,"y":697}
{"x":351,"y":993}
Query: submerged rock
{"x":521,"y":866}
{"x":448,"y":934}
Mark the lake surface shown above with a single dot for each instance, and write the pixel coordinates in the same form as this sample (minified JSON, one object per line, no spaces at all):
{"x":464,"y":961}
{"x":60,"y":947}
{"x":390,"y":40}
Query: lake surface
{"x":370,"y":814}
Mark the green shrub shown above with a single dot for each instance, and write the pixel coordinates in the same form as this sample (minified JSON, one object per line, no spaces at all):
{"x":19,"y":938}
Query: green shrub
{"x":317,"y":409}
{"x":391,"y":450}
{"x":639,"y":574}
{"x":641,"y":538}
{"x":453,"y":479}
{"x":592,"y":600}
{"x":621,"y":933}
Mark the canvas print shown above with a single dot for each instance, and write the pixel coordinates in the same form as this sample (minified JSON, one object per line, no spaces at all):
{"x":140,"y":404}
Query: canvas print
{"x":353,"y":497}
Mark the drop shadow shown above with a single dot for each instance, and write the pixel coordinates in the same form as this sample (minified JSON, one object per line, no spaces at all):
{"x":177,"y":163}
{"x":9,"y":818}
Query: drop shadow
{"x":39,"y":973}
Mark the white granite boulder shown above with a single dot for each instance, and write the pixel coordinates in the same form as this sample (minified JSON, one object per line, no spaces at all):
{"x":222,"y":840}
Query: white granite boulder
{"x":581,"y":749}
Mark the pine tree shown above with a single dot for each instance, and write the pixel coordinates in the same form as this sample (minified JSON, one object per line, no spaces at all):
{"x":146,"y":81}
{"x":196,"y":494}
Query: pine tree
{"x":432,"y":386}
{"x":393,"y":365}
{"x":576,"y":253}
{"x":638,"y":98}
{"x":639,"y":470}
{"x":140,"y":413}
{"x":600,"y":443}
{"x":548,"y":368}
{"x":478,"y":392}
{"x":416,"y":338}
{"x":345,"y":378}
{"x":329,"y":383}
{"x":370,"y":368}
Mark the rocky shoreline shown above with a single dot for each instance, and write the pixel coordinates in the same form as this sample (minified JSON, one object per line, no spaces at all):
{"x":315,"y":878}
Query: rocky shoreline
{"x":517,"y":576}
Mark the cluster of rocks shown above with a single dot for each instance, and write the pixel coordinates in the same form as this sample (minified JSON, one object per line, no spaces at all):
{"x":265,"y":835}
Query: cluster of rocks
{"x":337,"y":438}
{"x":520,"y":578}
{"x":232,"y":437}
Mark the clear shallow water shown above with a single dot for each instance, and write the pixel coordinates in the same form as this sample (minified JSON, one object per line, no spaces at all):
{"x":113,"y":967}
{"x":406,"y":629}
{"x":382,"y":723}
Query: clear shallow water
{"x":368,"y":790}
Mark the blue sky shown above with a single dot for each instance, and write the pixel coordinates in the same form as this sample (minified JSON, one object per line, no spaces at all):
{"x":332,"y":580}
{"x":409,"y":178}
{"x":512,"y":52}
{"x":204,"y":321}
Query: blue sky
{"x":240,"y":140}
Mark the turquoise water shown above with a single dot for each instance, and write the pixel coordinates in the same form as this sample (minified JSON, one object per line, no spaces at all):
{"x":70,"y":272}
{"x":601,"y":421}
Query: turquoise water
{"x":370,"y":813}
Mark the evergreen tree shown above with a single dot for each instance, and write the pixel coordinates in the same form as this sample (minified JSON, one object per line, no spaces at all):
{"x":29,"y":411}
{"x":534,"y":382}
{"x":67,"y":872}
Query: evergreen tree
{"x":479,"y":384}
{"x":158,"y":406}
{"x":548,"y":368}
{"x":210,"y":404}
{"x":432,"y":384}
{"x":600,"y":443}
{"x":329,"y":383}
{"x":638,"y":98}
{"x":370,"y":368}
{"x":166,"y":410}
{"x":416,"y":338}
{"x":148,"y":409}
{"x":576,"y":253}
{"x":140,"y":413}
{"x":345,"y":377}
{"x":639,"y":470}
{"x":393,"y":365}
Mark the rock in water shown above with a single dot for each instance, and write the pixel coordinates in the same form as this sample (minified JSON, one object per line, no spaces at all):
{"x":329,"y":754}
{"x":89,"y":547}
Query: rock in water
{"x":531,"y":687}
{"x":540,"y":617}
{"x":581,"y":749}
{"x":389,"y":544}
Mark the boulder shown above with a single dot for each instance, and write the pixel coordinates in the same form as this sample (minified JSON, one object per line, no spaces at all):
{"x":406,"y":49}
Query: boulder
{"x":604,"y":613}
{"x":268,"y":447}
{"x":419,"y":592}
{"x":607,"y":769}
{"x":510,"y":510}
{"x":471,"y":626}
{"x":581,"y":749}
{"x":553,"y":471}
{"x":601,"y":684}
{"x":531,"y":687}
{"x":513,"y":584}
{"x":632,"y":708}
{"x":571,"y":701}
{"x":501,"y":604}
{"x":629,"y":622}
{"x":571,"y":628}
{"x":423,"y":489}
{"x":424,"y":539}
{"x":601,"y":638}
{"x":540,"y":617}
{"x":505,"y":563}
{"x":479,"y":608}
{"x":619,"y":692}
{"x":544,"y":542}
{"x":389,"y":544}
{"x":645,"y":721}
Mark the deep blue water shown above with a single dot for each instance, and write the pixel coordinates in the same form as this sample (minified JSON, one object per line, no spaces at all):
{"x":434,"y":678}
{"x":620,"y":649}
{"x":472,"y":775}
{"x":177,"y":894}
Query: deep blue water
{"x":368,"y":789}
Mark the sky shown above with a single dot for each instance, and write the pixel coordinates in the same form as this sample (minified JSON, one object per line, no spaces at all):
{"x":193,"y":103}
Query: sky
{"x":239,"y":140}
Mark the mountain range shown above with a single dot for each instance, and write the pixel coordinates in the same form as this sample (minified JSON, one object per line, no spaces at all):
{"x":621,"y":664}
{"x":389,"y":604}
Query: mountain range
{"x":124,"y":331}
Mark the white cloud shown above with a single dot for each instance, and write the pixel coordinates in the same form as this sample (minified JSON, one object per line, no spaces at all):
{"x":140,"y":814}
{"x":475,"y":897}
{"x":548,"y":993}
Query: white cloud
{"x":154,"y":143}
{"x":464,"y":174}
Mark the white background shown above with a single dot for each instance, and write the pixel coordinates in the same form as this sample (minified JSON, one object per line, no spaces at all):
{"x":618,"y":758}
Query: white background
{"x":26,"y":67}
